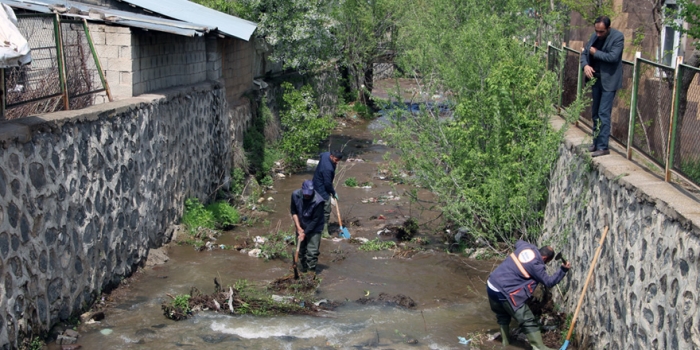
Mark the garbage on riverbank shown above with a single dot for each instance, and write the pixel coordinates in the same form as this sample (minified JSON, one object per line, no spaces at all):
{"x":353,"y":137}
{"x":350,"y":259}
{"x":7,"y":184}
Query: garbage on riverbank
{"x":243,"y":298}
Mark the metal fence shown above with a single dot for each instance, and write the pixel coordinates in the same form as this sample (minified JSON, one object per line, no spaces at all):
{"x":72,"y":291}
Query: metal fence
{"x":64,"y":73}
{"x":656,"y":112}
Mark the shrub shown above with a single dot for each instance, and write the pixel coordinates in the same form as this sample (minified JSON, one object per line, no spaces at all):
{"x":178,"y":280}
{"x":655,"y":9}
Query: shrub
{"x":275,"y":246}
{"x":196,"y":216}
{"x":267,"y":181}
{"x":377,"y":245}
{"x":302,"y":127}
{"x":351,"y":182}
{"x":237,"y":181}
{"x":224,"y":214}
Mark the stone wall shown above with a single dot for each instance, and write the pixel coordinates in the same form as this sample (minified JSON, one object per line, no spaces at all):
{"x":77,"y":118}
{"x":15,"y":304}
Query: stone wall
{"x":644,"y":293}
{"x":85,"y":194}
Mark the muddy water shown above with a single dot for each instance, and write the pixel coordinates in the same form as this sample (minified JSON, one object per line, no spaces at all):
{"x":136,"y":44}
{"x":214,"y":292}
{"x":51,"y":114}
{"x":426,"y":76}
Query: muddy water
{"x":449,"y":290}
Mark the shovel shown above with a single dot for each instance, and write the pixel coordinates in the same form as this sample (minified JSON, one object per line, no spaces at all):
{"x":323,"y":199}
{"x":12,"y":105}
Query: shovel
{"x":296,"y":259}
{"x":585,"y":286}
{"x":344,"y":233}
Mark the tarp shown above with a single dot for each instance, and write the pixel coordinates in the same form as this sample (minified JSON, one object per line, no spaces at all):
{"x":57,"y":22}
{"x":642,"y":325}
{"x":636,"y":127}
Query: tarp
{"x":14,"y":49}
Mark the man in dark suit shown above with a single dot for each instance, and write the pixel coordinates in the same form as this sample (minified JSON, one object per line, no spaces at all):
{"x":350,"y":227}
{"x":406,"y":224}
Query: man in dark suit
{"x":602,"y":59}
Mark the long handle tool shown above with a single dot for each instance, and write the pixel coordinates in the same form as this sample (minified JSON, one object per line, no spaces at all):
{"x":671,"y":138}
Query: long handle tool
{"x":585,"y":286}
{"x":344,"y":233}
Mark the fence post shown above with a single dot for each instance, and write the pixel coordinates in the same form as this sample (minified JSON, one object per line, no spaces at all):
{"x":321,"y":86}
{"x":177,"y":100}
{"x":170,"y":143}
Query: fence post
{"x":678,"y":78}
{"x":61,"y":61}
{"x":4,"y":94}
{"x":549,"y":48}
{"x":633,"y":104}
{"x":579,"y":81}
{"x":97,"y":61}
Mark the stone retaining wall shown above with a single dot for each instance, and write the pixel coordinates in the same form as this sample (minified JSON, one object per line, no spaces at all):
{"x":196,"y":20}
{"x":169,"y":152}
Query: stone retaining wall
{"x":645,"y":290}
{"x":85,"y":194}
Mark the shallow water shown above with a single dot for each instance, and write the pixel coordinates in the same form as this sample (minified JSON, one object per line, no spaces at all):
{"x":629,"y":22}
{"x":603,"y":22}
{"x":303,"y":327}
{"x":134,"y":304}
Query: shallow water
{"x":449,"y":290}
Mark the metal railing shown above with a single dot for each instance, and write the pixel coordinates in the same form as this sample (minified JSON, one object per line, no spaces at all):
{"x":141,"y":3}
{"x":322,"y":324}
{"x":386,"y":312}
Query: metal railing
{"x":65,"y":72}
{"x":655,"y":113}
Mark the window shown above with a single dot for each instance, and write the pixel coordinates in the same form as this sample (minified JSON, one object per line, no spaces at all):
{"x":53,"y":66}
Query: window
{"x":670,"y":38}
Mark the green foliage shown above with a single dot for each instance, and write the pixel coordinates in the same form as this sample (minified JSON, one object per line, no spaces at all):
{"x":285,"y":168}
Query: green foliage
{"x":489,"y":165}
{"x":691,"y":168}
{"x":689,"y":13}
{"x":261,"y":154}
{"x":224,"y":214}
{"x":363,"y":111}
{"x":303,"y":128}
{"x":591,"y":9}
{"x":196,"y":216}
{"x":377,"y":245}
{"x":267,"y":181}
{"x":351,"y":182}
{"x":275,"y":246}
{"x":182,"y":302}
{"x":242,"y":9}
{"x":237,"y":181}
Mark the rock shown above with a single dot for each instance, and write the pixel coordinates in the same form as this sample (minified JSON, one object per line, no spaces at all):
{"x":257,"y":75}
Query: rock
{"x":71,"y":347}
{"x":175,"y":231}
{"x":282,"y":299}
{"x":260,"y":200}
{"x":157,"y":257}
{"x":251,"y":187}
{"x":65,"y":340}
{"x":106,"y":331}
{"x":280,"y":176}
{"x":255,"y":253}
{"x":71,"y":333}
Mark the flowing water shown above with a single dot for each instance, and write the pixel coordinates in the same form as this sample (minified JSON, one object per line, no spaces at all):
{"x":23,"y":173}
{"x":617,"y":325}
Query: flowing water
{"x":449,"y":290}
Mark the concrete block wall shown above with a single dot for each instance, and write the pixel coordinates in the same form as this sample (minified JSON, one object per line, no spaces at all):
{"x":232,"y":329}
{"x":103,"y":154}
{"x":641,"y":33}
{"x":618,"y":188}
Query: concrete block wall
{"x":237,"y":68}
{"x":115,"y":50}
{"x":644,"y":290}
{"x":166,"y":60}
{"x":85,"y":194}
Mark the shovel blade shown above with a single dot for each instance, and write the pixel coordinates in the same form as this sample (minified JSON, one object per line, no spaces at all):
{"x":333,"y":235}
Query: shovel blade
{"x":344,"y":233}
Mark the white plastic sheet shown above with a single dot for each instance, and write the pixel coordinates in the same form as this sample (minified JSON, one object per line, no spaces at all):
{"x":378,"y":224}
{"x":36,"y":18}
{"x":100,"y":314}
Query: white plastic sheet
{"x":14,"y":49}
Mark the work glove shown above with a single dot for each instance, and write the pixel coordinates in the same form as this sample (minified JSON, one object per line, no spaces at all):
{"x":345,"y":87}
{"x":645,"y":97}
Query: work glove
{"x":332,"y":201}
{"x":336,"y":195}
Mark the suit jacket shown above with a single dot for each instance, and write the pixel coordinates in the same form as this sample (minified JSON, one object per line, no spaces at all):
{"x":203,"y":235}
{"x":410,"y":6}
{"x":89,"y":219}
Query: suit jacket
{"x":609,"y":57}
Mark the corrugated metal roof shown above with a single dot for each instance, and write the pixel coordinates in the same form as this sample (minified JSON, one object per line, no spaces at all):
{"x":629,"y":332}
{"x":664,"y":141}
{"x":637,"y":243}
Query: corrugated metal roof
{"x":191,"y":12}
{"x":104,"y":14}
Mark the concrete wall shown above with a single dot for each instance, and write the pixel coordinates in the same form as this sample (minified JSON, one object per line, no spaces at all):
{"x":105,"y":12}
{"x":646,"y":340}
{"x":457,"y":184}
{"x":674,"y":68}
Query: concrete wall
{"x":644,"y":293}
{"x":85,"y":194}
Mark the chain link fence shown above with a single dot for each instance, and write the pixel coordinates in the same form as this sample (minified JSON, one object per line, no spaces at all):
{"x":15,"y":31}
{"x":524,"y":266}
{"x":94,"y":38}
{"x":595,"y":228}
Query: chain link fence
{"x":686,"y":155}
{"x":653,"y":110}
{"x":40,"y":87}
{"x":651,"y":101}
{"x":35,"y":88}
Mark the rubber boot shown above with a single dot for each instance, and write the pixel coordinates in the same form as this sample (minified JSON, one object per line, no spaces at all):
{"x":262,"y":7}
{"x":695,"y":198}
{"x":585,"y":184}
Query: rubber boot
{"x":536,"y":342}
{"x":505,"y":335}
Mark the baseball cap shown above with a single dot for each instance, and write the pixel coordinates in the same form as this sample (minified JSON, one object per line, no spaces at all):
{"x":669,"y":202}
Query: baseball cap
{"x":307,"y":188}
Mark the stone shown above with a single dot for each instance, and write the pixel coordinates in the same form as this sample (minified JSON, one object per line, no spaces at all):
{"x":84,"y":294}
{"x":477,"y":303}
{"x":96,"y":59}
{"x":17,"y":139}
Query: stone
{"x":66,"y":340}
{"x":157,"y":257}
{"x":71,"y":347}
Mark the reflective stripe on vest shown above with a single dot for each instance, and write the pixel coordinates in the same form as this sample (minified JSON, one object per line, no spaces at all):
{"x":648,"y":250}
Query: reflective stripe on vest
{"x":519,"y":265}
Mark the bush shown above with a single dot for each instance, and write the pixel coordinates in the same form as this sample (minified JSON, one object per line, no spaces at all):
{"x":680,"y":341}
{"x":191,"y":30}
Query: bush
{"x":351,"y":182}
{"x":267,"y":181}
{"x":302,"y":127}
{"x":196,"y":216}
{"x":377,"y":245}
{"x":363,"y":110}
{"x":237,"y":181}
{"x":275,"y":246}
{"x":224,"y":213}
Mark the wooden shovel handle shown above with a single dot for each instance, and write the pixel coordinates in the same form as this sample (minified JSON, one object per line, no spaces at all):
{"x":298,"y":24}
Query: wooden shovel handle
{"x":585,"y":285}
{"x":337,"y":210}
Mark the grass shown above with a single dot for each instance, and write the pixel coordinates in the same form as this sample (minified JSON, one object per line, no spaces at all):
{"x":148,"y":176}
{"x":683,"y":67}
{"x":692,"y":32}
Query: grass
{"x":351,"y":182}
{"x":377,"y":245}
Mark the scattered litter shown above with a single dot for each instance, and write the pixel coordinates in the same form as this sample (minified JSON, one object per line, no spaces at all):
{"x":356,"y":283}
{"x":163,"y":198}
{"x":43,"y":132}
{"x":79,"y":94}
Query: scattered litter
{"x":359,"y":160}
{"x":282,"y":299}
{"x":380,"y":142}
{"x":381,"y":199}
{"x":259,"y":240}
{"x":260,"y":200}
{"x":464,"y":341}
{"x":494,"y":336}
{"x":366,"y":187}
{"x":255,"y":253}
{"x":322,"y":301}
{"x":280,"y":176}
{"x":278,"y":164}
{"x":337,"y":239}
{"x":106,"y":331}
{"x":222,"y":246}
{"x":383,"y":231}
{"x":379,"y":258}
{"x":381,"y":217}
{"x":270,"y":199}
{"x":311,"y":162}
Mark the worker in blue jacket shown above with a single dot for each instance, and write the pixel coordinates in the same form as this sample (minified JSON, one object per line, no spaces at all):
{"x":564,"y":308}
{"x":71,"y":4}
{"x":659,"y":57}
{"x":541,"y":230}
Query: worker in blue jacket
{"x":323,"y":181}
{"x":307,"y":212}
{"x":512,"y":283}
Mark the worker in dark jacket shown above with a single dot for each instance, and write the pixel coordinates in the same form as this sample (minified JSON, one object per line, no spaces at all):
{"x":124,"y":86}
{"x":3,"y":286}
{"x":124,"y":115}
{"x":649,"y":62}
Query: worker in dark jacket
{"x":323,"y":181}
{"x":307,"y":212}
{"x":512,"y":283}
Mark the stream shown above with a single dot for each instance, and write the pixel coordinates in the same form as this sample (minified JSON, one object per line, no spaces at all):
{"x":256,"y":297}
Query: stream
{"x":449,"y":290}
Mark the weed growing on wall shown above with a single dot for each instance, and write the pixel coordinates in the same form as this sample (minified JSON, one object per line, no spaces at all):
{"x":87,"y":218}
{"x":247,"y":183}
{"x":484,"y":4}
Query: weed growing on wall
{"x":237,"y":181}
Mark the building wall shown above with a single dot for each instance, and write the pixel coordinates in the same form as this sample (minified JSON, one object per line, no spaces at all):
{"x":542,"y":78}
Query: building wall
{"x":237,"y":68}
{"x":644,"y":290}
{"x":85,"y":194}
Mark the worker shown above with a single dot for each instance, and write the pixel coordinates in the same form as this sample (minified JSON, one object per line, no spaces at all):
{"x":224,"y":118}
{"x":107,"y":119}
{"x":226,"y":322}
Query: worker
{"x":307,"y":212}
{"x":512,"y":283}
